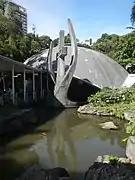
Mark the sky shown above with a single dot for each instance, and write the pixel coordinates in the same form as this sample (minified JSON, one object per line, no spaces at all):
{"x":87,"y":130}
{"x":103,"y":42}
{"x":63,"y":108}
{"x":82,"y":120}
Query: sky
{"x":90,"y":18}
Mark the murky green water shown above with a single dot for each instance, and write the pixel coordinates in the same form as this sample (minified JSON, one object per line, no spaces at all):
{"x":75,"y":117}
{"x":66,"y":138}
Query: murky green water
{"x":68,"y":140}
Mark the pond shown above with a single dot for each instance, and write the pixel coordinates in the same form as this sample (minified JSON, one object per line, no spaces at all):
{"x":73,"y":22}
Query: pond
{"x":67,"y":140}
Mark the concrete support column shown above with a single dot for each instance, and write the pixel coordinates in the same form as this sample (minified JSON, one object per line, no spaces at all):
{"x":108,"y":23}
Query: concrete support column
{"x":13,"y":85}
{"x":24,"y":85}
{"x":33,"y":75}
{"x":41,"y":86}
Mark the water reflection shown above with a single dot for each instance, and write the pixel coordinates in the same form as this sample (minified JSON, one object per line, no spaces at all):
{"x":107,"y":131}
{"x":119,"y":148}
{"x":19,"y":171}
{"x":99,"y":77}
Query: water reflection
{"x":104,"y":135}
{"x":74,"y":138}
{"x":59,"y":144}
{"x":63,"y":138}
{"x":69,"y":140}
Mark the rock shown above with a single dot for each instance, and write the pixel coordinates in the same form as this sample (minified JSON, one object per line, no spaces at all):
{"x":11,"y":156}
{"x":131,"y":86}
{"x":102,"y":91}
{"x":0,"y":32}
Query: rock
{"x":58,"y":172}
{"x":99,"y":159}
{"x":130,"y":148}
{"x":87,"y":109}
{"x":124,"y":160}
{"x":16,"y":124}
{"x":90,"y":109}
{"x":108,"y":125}
{"x":103,"y":159}
{"x":29,"y":118}
{"x":110,"y":171}
{"x":104,"y":113}
{"x":64,"y":178}
{"x":133,"y":162}
{"x":33,"y":120}
{"x":33,"y":172}
{"x":36,"y":172}
{"x":129,"y":115}
{"x":106,"y":159}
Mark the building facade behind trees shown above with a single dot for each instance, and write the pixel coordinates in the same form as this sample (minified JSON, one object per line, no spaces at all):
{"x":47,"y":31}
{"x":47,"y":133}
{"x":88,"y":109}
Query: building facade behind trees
{"x":19,"y":11}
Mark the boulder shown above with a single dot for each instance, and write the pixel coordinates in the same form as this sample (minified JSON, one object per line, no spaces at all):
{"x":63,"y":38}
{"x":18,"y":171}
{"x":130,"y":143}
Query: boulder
{"x":124,"y":160}
{"x":106,"y":159}
{"x":99,"y":159}
{"x":110,"y":171}
{"x":133,"y":162}
{"x":33,"y":172}
{"x":36,"y":172}
{"x":130,"y":148}
{"x":90,"y":109}
{"x":64,"y":178}
{"x":104,"y":113}
{"x":102,"y":159}
{"x":108,"y":125}
{"x":87,"y":109}
{"x":129,"y":115}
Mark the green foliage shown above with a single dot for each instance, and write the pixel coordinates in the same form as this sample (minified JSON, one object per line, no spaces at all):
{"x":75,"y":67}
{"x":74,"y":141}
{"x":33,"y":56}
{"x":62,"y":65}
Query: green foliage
{"x":124,"y":62}
{"x":125,"y":48}
{"x":14,"y":44}
{"x":109,"y":96}
{"x":2,"y":7}
{"x":18,"y":46}
{"x":130,"y":127}
{"x":113,"y":159}
{"x":67,"y":39}
{"x":119,"y":48}
{"x":44,"y":41}
{"x":116,"y":101}
{"x":107,"y":44}
{"x":83,"y":45}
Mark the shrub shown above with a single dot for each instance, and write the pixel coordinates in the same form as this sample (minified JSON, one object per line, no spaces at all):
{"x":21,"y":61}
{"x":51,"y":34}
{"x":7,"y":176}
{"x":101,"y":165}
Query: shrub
{"x":116,"y":101}
{"x":109,"y":96}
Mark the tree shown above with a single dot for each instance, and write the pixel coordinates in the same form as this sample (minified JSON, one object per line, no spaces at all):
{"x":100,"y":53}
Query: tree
{"x":55,"y":42}
{"x":2,"y":7}
{"x":13,"y":43}
{"x":11,"y":17}
{"x":67,"y":39}
{"x":107,"y":44}
{"x":44,"y":42}
{"x":9,"y":27}
{"x":125,"y":48}
{"x":119,"y":48}
{"x":18,"y":46}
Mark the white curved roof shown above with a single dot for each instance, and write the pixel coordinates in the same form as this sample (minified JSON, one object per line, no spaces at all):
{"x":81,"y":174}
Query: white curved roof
{"x":91,"y":65}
